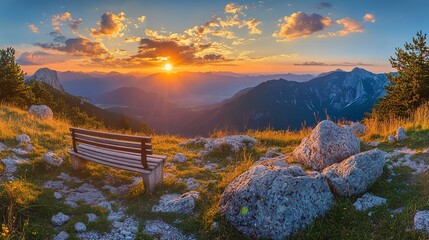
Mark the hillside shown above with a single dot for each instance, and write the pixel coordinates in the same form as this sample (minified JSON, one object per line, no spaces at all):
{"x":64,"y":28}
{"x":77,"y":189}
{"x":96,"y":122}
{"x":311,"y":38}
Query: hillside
{"x":404,"y":188}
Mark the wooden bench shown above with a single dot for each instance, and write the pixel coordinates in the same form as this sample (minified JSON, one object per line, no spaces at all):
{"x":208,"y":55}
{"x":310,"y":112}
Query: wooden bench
{"x":126,"y":152}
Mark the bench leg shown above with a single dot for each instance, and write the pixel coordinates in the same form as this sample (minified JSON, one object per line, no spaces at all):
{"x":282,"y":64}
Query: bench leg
{"x":77,"y":163}
{"x":152,"y":179}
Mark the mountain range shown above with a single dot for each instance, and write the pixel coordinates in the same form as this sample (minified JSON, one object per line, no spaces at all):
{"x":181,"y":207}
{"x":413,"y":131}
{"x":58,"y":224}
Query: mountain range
{"x":160,"y":100}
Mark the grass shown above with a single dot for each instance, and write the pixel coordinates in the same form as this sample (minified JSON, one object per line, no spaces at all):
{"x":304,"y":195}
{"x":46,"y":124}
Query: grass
{"x":341,"y":222}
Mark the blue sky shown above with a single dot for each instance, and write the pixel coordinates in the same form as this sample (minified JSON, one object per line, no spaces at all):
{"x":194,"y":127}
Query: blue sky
{"x":239,"y":36}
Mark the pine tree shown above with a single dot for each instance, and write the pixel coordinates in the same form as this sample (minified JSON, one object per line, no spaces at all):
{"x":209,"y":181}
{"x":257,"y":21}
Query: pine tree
{"x":12,"y":87}
{"x":410,"y":85}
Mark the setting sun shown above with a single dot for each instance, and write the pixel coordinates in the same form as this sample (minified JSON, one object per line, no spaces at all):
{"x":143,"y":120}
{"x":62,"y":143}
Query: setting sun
{"x":168,"y":67}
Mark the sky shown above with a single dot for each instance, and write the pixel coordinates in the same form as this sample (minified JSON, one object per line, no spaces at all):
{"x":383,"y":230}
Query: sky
{"x":252,"y":37}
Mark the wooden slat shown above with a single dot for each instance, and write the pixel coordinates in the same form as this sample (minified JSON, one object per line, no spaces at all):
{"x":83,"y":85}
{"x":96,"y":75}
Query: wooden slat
{"x":112,"y":135}
{"x":118,"y":154}
{"x":89,"y":152}
{"x":112,"y":159}
{"x":92,"y":159}
{"x":110,"y":141}
{"x":109,"y":146}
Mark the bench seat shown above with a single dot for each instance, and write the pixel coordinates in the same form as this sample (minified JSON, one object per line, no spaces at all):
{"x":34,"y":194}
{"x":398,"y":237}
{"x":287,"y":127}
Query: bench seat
{"x":130,"y":153}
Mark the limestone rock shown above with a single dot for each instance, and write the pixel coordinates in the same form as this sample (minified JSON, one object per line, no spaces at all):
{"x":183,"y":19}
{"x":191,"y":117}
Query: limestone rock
{"x":184,"y":203}
{"x":274,"y":200}
{"x":47,"y":76}
{"x":358,"y":128}
{"x":421,"y":221}
{"x":368,"y":201}
{"x":233,"y":143}
{"x":80,"y":227}
{"x":391,"y":139}
{"x":23,"y":139}
{"x":400,"y":134}
{"x":326,"y":145}
{"x":355,"y":174}
{"x":62,"y":236}
{"x":59,"y":219}
{"x":41,"y":111}
{"x":91,"y":217}
{"x":52,"y":159}
{"x":180,"y":157}
{"x":158,"y":228}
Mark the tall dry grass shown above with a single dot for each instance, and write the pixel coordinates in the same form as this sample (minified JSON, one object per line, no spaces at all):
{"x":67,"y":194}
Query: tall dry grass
{"x":419,"y":119}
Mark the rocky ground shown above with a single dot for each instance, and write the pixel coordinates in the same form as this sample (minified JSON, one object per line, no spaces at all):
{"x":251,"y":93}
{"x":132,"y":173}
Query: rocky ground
{"x":199,"y":198}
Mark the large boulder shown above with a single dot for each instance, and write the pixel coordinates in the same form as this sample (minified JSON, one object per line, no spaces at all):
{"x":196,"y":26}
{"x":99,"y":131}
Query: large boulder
{"x":47,"y":76}
{"x":355,"y":174}
{"x":274,"y":199}
{"x":326,"y":145}
{"x":41,"y":111}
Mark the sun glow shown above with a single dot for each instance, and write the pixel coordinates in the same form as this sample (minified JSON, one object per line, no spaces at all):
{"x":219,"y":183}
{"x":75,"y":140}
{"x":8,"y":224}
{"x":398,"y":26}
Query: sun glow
{"x":168,"y":67}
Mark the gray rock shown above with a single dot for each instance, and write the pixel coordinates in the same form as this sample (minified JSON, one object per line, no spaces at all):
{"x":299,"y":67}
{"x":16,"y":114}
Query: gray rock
{"x":368,"y":201}
{"x":62,"y":236}
{"x":391,"y":139}
{"x":326,"y":145}
{"x":421,"y":221}
{"x":52,"y":159}
{"x":71,"y":204}
{"x":59,"y":219}
{"x":10,"y":166}
{"x":358,"y":128}
{"x":179,"y":158}
{"x":269,"y":201}
{"x":41,"y":111}
{"x":214,"y":226}
{"x":58,"y":195}
{"x":2,"y":146}
{"x":400,"y":134}
{"x":80,"y":227}
{"x":234,"y":143}
{"x":272,"y":152}
{"x":48,"y":76}
{"x":372,"y":144}
{"x":91,"y":217}
{"x":19,"y":151}
{"x":355,"y":174}
{"x":23,"y":139}
{"x":184,"y":203}
{"x":164,"y":231}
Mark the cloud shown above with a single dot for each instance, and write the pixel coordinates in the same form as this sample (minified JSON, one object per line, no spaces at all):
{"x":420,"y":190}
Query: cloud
{"x":111,"y":25}
{"x":349,"y":26}
{"x":160,"y":50}
{"x":252,"y":26}
{"x":141,"y":19}
{"x":234,"y":8}
{"x":66,"y":17}
{"x":300,"y":24}
{"x":77,"y":46}
{"x":322,"y":5}
{"x":33,"y":28}
{"x":40,"y":58}
{"x":343,"y":64}
{"x":369,"y":17}
{"x":133,"y":39}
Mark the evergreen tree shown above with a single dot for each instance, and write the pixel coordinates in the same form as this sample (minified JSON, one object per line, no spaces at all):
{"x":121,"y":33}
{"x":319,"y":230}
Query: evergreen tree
{"x":12,"y":87}
{"x":410,"y":85}
{"x":123,"y":123}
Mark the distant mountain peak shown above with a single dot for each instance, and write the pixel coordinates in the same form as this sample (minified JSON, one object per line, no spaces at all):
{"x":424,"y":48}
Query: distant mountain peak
{"x":47,"y":76}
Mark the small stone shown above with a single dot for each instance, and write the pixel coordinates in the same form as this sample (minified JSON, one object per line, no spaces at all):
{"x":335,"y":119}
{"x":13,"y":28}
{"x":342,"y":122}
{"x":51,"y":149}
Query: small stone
{"x":80,"y":227}
{"x":23,"y":139}
{"x":125,"y":233}
{"x":134,"y":230}
{"x":400,"y":134}
{"x":62,"y":236}
{"x":91,"y":217}
{"x":391,"y":139}
{"x":180,"y":157}
{"x":421,"y":221}
{"x":214,"y":226}
{"x":398,"y":210}
{"x":57,"y":195}
{"x":368,"y":201}
{"x":52,"y":159}
{"x":59,"y":219}
{"x":370,"y":214}
{"x":71,"y":204}
{"x":118,"y":224}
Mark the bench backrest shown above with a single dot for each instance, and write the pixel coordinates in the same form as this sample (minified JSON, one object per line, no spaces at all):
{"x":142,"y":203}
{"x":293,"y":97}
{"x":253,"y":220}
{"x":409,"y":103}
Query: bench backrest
{"x":140,"y":145}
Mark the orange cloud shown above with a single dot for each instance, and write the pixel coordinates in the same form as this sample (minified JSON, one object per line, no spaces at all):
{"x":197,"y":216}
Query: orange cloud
{"x":369,"y":17}
{"x":132,"y":39}
{"x":77,"y":46}
{"x":33,"y":28}
{"x":300,"y":24}
{"x":111,"y":25}
{"x":234,"y":8}
{"x":66,"y":17}
{"x":349,"y":26}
